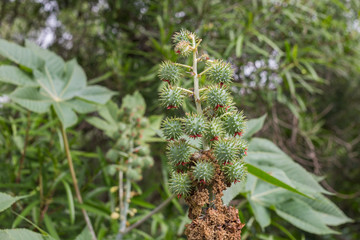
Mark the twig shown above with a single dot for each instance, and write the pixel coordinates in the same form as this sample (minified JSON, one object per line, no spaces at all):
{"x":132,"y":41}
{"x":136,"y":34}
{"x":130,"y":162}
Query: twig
{"x":183,"y":65}
{"x":75,"y":182}
{"x":156,"y":210}
{"x":21,"y":163}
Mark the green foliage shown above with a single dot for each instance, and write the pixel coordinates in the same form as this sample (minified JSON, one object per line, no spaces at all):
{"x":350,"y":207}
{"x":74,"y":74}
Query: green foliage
{"x":49,"y":82}
{"x":290,"y":191}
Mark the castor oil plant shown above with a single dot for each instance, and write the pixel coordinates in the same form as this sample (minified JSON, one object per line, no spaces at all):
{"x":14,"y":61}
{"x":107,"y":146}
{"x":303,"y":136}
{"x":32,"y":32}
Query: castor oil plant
{"x":201,"y":174}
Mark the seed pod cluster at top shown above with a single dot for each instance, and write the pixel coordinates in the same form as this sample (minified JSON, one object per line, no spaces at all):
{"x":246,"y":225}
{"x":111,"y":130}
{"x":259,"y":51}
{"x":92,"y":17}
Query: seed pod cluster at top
{"x":219,"y":125}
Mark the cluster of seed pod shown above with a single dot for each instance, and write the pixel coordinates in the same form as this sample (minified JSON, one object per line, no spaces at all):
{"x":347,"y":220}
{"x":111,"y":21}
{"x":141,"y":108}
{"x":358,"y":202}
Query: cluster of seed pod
{"x":130,"y":148}
{"x":219,"y":124}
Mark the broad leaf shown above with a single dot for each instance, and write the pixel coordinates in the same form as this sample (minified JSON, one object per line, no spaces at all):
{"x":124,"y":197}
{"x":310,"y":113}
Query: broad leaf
{"x":84,"y":235}
{"x":20,"y":55}
{"x":13,"y":75}
{"x":302,"y":216}
{"x":31,"y":99}
{"x":270,"y":179}
{"x":55,"y":83}
{"x":6,"y":201}
{"x":21,"y":234}
{"x":253,"y":126}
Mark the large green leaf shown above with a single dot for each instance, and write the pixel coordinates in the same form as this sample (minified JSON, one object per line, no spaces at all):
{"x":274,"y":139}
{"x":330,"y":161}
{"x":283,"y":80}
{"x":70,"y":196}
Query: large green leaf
{"x":84,"y":235}
{"x":55,"y":83}
{"x":20,"y":55}
{"x":21,"y":234}
{"x":6,"y":201}
{"x":31,"y":98}
{"x":270,"y":179}
{"x":302,"y":216}
{"x":54,"y":62}
{"x":263,"y":152}
{"x":253,"y":126}
{"x":13,"y":75}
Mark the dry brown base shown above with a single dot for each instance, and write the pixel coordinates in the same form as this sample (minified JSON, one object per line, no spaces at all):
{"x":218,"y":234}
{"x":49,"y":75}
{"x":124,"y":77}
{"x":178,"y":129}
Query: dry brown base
{"x":215,"y":222}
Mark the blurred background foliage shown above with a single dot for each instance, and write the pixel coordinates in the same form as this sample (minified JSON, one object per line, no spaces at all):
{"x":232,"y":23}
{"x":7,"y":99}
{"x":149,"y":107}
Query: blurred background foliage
{"x":297,"y":61}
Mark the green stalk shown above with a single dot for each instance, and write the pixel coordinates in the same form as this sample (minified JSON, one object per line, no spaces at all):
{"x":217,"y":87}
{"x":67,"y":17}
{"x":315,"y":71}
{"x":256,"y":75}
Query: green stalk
{"x":75,"y":182}
{"x":196,"y":86}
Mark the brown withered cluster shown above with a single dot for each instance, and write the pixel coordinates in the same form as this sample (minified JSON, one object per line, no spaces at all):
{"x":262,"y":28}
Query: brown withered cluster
{"x":211,"y":220}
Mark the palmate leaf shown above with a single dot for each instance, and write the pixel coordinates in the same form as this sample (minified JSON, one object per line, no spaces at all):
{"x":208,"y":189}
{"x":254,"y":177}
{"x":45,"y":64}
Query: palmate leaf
{"x":21,"y":234}
{"x":13,"y":75}
{"x":20,"y":55}
{"x":54,"y":82}
{"x":270,"y":164}
{"x":6,"y":201}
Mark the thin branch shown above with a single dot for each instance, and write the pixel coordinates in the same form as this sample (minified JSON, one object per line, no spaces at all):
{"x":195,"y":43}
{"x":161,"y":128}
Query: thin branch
{"x":156,"y":210}
{"x":183,"y":65}
{"x":185,"y":90}
{"x":207,"y":69}
{"x":75,"y":182}
{"x":23,"y":154}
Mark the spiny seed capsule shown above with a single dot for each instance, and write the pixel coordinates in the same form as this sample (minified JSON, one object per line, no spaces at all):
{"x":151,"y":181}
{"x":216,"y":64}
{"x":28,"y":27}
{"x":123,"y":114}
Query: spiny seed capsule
{"x":133,"y":174}
{"x":220,"y":72}
{"x":169,"y":72}
{"x":203,"y":172}
{"x":178,"y":152}
{"x":180,"y":184}
{"x":184,"y":48}
{"x":214,"y":130}
{"x":226,"y":151}
{"x":242,"y":148}
{"x":172,"y":128}
{"x":216,"y":97}
{"x":171,"y":97}
{"x":194,"y":125}
{"x":235,"y":172}
{"x":234,"y":123}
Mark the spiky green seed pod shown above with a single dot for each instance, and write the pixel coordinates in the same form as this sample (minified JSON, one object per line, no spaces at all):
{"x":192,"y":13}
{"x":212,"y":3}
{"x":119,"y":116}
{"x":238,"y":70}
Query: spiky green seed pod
{"x":180,"y":184}
{"x":133,"y":174}
{"x":217,"y":97}
{"x":234,"y":123}
{"x":203,"y":171}
{"x":184,"y":48}
{"x":171,"y":97}
{"x":220,"y":72}
{"x":194,"y":125}
{"x":184,"y":35}
{"x":242,"y":148}
{"x":226,"y":150}
{"x":148,"y":161}
{"x":214,"y":130}
{"x":178,"y":152}
{"x":169,"y":72}
{"x":143,"y":150}
{"x":235,"y":172}
{"x":172,"y":128}
{"x":137,"y":162}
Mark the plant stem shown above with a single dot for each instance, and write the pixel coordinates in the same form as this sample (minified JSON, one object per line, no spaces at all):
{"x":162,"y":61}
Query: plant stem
{"x":183,"y":65}
{"x":21,"y":163}
{"x":75,"y":182}
{"x":185,"y":90}
{"x":157,"y":209}
{"x":125,"y":204}
{"x":196,"y":85}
